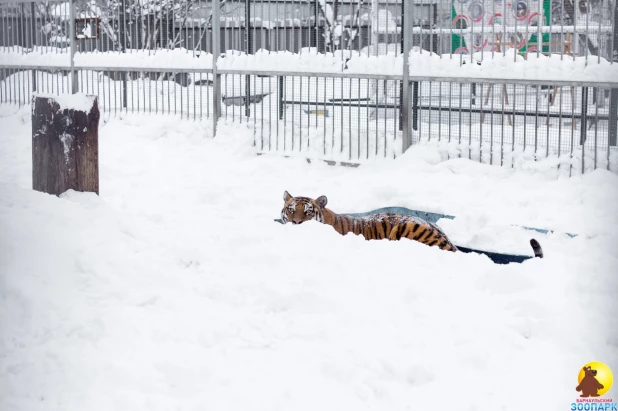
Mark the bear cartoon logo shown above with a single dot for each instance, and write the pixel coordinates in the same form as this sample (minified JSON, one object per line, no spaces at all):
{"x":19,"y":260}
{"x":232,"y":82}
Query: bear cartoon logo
{"x":589,"y":386}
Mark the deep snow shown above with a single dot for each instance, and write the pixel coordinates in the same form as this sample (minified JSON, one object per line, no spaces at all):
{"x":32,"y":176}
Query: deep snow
{"x":176,"y":290}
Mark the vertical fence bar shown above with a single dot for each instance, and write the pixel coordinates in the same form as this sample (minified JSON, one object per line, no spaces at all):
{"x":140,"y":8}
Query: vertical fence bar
{"x":216,"y":77}
{"x":613,"y":95}
{"x":405,"y":92}
{"x":73,"y":42}
{"x":415,"y":108}
{"x":596,"y":128}
{"x":430,"y":86}
{"x":280,"y":83}
{"x":248,"y":51}
{"x":584,"y":124}
{"x":122,"y":44}
{"x":33,"y":35}
{"x":402,"y":47}
{"x":19,"y":23}
{"x":460,"y":115}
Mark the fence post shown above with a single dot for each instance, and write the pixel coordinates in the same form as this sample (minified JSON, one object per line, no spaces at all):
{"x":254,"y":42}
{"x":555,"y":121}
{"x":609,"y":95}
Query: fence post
{"x":405,"y":100}
{"x":33,"y":34}
{"x":73,"y":42}
{"x":280,"y":88}
{"x":584,"y":125}
{"x":122,"y":43}
{"x":316,"y":26}
{"x":402,"y":51}
{"x":613,"y":117}
{"x":613,"y":94}
{"x":584,"y":120}
{"x":65,"y":143}
{"x":248,"y":50}
{"x":216,"y":77}
{"x":415,"y":106}
{"x":375,"y":33}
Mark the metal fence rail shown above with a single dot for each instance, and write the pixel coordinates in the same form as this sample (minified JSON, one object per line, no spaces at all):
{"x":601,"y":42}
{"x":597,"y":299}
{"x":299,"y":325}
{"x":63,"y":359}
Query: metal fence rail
{"x":185,"y":58}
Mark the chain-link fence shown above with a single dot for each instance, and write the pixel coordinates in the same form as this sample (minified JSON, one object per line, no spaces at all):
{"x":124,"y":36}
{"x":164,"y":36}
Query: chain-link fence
{"x":500,"y":82}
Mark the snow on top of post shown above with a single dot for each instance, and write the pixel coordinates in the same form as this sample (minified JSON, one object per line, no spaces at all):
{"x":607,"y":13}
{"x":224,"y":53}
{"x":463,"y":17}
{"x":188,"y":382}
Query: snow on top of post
{"x":78,"y":101}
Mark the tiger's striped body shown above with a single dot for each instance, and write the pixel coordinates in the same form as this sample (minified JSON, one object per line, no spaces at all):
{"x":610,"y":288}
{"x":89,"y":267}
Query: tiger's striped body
{"x":374,"y":227}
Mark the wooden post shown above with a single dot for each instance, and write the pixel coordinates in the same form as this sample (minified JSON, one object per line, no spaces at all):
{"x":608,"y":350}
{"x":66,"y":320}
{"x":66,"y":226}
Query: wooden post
{"x":65,"y":143}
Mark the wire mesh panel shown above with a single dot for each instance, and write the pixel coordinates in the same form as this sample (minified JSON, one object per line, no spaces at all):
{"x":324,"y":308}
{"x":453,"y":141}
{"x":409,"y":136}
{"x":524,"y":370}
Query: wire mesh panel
{"x":35,"y":33}
{"x":483,"y":27}
{"x":507,"y":124}
{"x":371,"y":27}
{"x":17,"y":85}
{"x":108,"y":25}
{"x":330,"y":117}
{"x":187,"y":94}
{"x":160,"y":24}
{"x":311,"y":26}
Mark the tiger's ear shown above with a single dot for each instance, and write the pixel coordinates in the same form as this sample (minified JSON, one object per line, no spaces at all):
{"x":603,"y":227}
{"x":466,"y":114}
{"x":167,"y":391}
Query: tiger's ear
{"x":286,"y":196}
{"x":322,"y":200}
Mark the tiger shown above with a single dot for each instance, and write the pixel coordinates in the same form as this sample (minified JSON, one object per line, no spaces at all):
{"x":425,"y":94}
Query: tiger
{"x":379,"y":226}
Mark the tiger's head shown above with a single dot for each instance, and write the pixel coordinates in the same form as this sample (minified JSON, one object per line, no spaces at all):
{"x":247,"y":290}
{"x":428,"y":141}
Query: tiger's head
{"x":301,"y":209}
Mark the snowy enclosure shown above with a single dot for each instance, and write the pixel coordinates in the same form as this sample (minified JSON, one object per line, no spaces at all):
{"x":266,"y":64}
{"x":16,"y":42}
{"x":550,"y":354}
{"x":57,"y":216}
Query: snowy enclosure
{"x":325,"y":79}
{"x":175,"y":289}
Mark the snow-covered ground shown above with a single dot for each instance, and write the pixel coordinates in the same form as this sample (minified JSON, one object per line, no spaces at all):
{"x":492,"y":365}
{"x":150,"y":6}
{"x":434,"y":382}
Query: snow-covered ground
{"x":174,"y":289}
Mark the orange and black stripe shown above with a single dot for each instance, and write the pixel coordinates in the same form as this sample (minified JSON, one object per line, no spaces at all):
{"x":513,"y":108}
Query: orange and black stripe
{"x":388,"y":226}
{"x":393,"y":227}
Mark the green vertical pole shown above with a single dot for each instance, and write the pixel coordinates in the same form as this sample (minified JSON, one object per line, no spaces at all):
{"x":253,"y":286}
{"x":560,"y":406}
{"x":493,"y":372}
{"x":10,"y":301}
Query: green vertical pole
{"x":456,"y":40}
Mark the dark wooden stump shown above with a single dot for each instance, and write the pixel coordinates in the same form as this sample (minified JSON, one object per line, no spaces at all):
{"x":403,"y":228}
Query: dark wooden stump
{"x":65,"y":143}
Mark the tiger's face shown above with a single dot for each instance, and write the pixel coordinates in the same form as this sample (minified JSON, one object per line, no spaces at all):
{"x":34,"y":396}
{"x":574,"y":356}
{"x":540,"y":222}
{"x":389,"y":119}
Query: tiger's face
{"x":300,"y":209}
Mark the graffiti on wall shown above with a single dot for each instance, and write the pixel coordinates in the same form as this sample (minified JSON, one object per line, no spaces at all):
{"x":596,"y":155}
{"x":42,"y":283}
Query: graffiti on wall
{"x":491,"y":25}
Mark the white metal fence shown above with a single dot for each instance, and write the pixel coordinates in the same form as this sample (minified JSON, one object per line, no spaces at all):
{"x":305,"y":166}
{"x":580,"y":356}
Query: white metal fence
{"x":489,"y":80}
